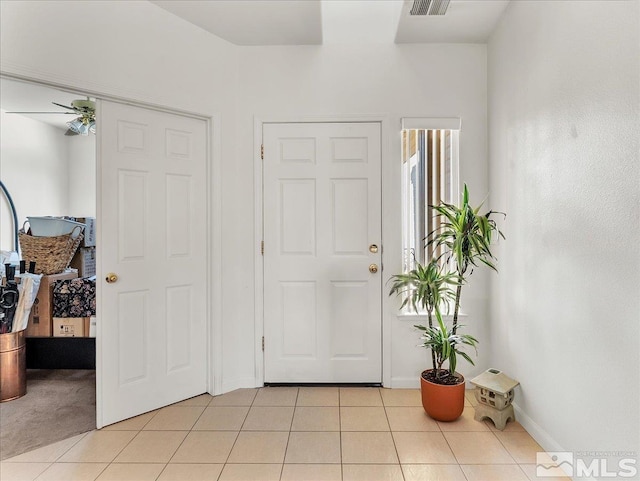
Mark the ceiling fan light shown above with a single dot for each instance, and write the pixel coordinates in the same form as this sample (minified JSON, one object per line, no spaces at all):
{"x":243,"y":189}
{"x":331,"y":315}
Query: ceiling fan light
{"x":79,"y":126}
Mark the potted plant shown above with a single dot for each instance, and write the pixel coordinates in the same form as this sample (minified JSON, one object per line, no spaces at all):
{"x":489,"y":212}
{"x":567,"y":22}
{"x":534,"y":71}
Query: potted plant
{"x":443,"y":389}
{"x":428,"y":287}
{"x":464,"y":236}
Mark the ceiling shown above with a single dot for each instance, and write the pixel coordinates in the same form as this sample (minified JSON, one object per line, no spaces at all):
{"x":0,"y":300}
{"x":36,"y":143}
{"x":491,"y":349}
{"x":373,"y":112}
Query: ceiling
{"x":293,"y":22}
{"x":314,"y":22}
{"x":253,"y":22}
{"x":466,"y":21}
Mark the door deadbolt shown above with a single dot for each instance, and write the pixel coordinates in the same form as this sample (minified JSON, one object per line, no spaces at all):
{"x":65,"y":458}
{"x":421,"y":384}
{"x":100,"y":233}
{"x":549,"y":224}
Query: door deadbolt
{"x":111,"y":278}
{"x":373,"y":248}
{"x":373,"y":268}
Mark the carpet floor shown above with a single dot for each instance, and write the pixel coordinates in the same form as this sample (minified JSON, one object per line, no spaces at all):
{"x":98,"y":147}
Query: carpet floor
{"x":59,"y":404}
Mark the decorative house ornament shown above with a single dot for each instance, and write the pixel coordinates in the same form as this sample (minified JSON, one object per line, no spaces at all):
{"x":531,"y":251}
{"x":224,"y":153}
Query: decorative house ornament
{"x":494,"y":392}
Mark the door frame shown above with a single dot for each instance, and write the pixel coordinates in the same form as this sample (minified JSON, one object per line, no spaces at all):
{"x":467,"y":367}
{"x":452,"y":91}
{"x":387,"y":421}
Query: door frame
{"x":386,"y":170}
{"x":213,"y":319}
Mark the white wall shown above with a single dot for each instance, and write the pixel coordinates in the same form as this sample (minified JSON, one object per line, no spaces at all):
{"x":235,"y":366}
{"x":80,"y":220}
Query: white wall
{"x":34,"y":168}
{"x":564,"y":165}
{"x":335,"y":82}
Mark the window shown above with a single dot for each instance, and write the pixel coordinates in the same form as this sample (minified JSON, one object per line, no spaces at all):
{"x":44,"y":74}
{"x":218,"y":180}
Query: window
{"x":429,"y":176}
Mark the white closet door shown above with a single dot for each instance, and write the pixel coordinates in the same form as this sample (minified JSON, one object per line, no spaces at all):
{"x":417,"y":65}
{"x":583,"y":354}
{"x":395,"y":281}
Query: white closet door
{"x":151,"y":346}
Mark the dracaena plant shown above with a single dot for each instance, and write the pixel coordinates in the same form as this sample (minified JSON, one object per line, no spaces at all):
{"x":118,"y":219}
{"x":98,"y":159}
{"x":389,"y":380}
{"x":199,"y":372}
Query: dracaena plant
{"x":425,"y":287}
{"x":445,"y":346}
{"x":465,"y":237}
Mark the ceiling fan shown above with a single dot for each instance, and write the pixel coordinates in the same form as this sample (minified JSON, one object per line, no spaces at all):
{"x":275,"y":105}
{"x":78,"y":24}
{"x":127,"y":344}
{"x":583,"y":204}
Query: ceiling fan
{"x":83,"y":124}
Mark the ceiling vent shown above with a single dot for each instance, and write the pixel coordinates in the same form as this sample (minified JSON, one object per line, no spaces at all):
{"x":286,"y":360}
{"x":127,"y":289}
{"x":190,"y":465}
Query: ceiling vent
{"x":429,"y":7}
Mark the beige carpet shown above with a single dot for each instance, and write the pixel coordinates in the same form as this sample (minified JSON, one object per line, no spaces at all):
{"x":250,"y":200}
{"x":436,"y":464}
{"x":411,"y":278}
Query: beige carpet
{"x":58,"y":404}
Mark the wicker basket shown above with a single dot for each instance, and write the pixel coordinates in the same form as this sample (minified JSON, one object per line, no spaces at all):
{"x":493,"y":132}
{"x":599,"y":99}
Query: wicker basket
{"x":52,"y":255}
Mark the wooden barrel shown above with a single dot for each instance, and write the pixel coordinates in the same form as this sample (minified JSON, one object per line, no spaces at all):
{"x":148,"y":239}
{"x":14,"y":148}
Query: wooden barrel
{"x":13,"y":366}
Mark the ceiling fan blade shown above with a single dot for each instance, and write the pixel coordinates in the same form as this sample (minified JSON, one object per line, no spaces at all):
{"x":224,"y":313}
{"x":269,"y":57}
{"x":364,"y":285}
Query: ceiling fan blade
{"x":59,"y":113}
{"x":63,"y":106}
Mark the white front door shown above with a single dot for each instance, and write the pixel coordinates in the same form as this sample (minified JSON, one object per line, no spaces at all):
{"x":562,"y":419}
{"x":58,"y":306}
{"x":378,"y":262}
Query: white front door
{"x":322,"y":234}
{"x":152,"y":209}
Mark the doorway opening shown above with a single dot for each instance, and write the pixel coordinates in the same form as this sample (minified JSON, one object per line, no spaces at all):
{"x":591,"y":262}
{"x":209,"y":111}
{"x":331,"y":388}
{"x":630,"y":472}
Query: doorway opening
{"x":128,"y":198}
{"x":48,"y":171}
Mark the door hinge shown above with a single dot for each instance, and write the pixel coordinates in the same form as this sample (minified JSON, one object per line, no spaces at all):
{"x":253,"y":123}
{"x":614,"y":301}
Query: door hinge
{"x":262,"y":152}
{"x":262,"y":343}
{"x":262,"y":247}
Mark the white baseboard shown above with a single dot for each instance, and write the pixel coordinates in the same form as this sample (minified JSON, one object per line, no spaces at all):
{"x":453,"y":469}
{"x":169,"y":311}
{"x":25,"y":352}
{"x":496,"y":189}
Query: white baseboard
{"x":540,"y":435}
{"x":404,"y":383}
{"x":229,"y":385}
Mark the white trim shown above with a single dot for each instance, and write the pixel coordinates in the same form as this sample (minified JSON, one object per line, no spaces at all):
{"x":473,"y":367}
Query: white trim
{"x":386,"y":178}
{"x":258,"y":260}
{"x":215,"y":255}
{"x":93,"y":89}
{"x":214,"y":245}
{"x":404,"y":382}
{"x":99,"y":273}
{"x":455,"y":177}
{"x":427,"y":123}
{"x":540,"y":435}
{"x":229,"y":385}
{"x":70,"y":88}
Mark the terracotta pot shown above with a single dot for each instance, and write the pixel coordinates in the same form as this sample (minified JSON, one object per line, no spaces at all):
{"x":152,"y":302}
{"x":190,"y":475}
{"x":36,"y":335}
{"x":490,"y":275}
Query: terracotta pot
{"x":442,"y":402}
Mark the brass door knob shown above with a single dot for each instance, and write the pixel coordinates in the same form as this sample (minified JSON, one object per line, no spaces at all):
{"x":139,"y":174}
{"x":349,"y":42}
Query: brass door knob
{"x":111,"y":278}
{"x":373,"y":268}
{"x":373,"y":248}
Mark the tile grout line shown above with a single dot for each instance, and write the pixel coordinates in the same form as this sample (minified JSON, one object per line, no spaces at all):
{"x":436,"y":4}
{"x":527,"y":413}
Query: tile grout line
{"x":103,"y":470}
{"x":495,"y":436}
{"x":509,"y":453}
{"x":191,"y":430}
{"x":9,"y":460}
{"x":286,"y":448}
{"x":123,"y":448}
{"x":504,"y":447}
{"x":183,"y":439}
{"x":130,"y":441}
{"x":224,"y":465}
{"x":393,"y":438}
{"x":107,"y":463}
{"x":451,"y":449}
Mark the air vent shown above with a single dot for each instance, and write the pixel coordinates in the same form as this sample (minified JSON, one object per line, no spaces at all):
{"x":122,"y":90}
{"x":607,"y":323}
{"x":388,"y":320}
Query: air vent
{"x":429,"y":7}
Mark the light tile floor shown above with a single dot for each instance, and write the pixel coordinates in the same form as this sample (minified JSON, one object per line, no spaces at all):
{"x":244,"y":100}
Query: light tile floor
{"x":289,"y":434}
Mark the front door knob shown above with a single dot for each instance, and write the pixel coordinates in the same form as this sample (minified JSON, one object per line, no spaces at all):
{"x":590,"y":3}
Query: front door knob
{"x":373,"y":268}
{"x":111,"y":278}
